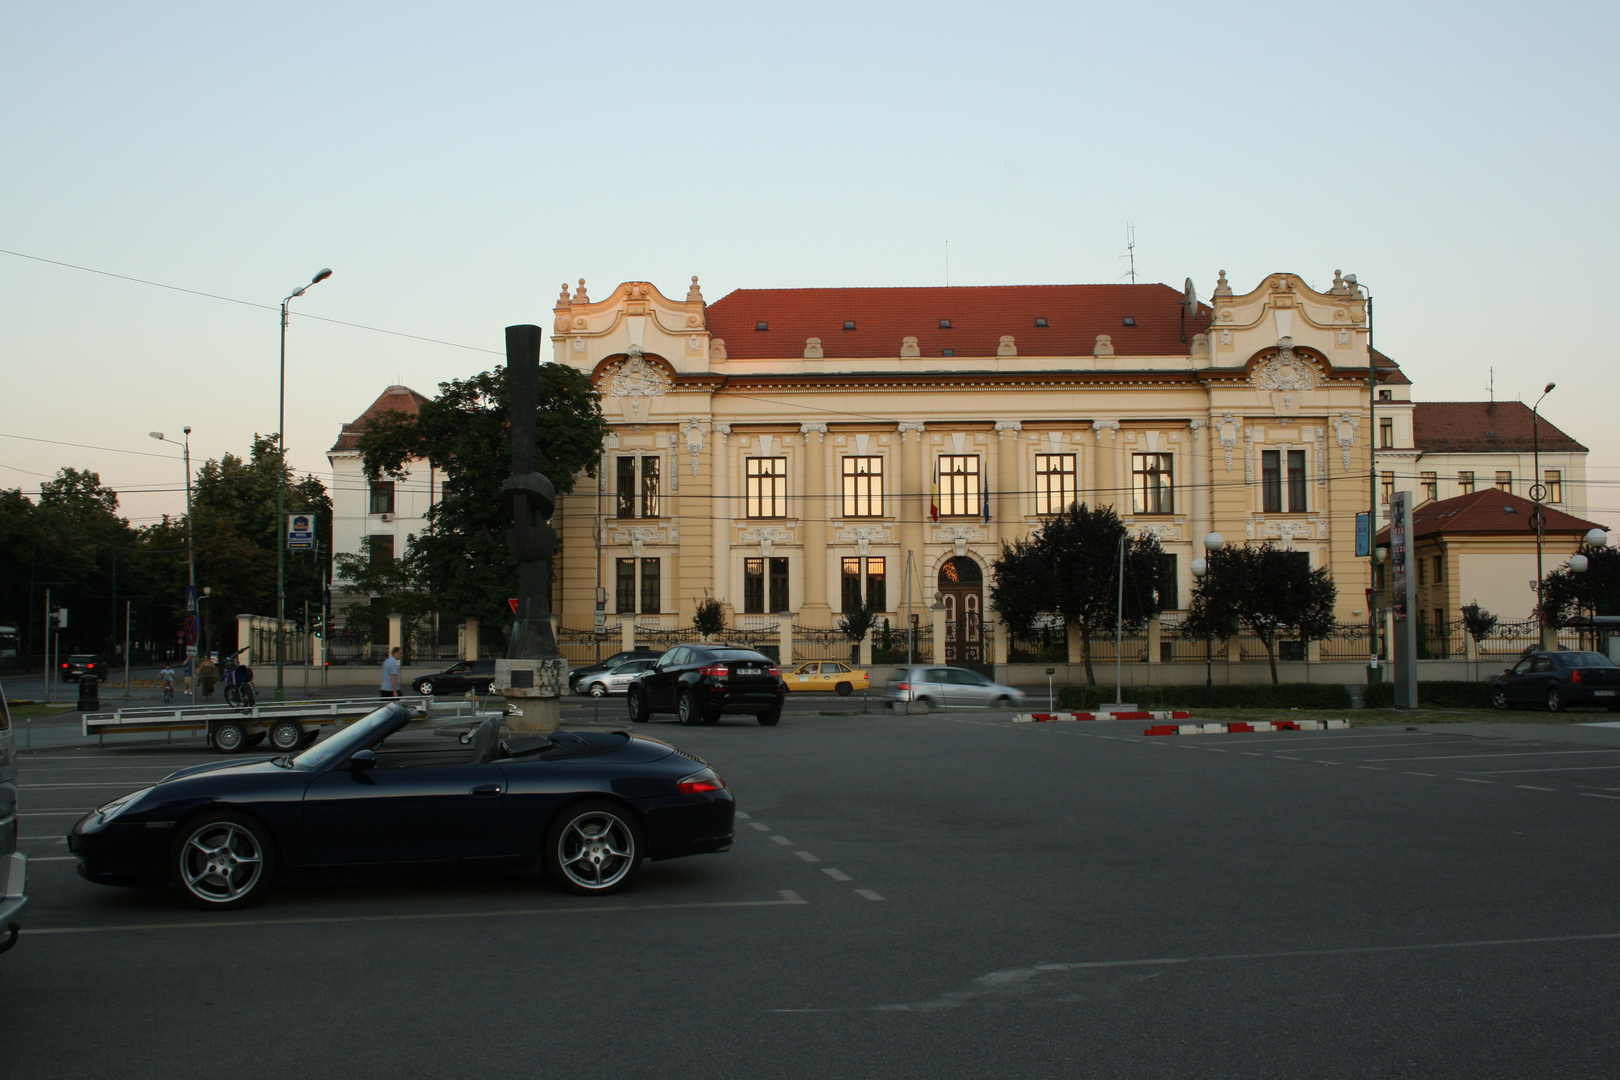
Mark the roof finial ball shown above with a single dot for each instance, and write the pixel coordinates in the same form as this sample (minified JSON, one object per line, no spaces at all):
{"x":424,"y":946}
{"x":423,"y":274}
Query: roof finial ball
{"x":579,"y":294}
{"x":694,"y":294}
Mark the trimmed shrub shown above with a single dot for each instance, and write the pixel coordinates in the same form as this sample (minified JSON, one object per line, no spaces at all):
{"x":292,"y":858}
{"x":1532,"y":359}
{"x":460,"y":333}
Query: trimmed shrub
{"x":1441,"y":694}
{"x":1242,"y":696}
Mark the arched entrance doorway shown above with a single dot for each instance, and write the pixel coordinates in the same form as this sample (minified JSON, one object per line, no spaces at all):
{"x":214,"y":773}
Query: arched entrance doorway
{"x":961,"y":588}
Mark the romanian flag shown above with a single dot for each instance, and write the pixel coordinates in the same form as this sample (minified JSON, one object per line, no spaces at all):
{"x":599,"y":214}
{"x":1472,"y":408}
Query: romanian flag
{"x":933,"y":499}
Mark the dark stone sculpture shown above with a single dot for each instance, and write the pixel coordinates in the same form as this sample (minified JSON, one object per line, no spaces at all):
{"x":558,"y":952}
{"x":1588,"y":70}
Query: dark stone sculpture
{"x":531,"y":499}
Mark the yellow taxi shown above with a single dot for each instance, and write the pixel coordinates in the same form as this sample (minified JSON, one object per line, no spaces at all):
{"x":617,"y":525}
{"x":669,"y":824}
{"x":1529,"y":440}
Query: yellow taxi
{"x":825,"y":675}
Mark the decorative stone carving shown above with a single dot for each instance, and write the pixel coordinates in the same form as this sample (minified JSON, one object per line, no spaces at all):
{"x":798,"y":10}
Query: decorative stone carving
{"x":1320,"y":435}
{"x":1342,"y":337}
{"x":562,"y":301}
{"x":863,"y":535}
{"x":579,"y":294}
{"x":812,"y":348}
{"x":1104,"y":346}
{"x":694,"y":441}
{"x":1285,"y":370}
{"x":1200,"y":345}
{"x":1004,"y":426}
{"x":635,"y":377}
{"x":1221,"y":287}
{"x":694,"y":295}
{"x":637,"y":536}
{"x":1248,"y":455}
{"x":1161,"y":530}
{"x":915,"y":428}
{"x":1344,"y":433}
{"x":717,"y":348}
{"x":765,"y":536}
{"x":694,"y":344}
{"x":960,"y":536}
{"x":908,"y":347}
{"x":578,"y":345}
{"x":1100,"y":426}
{"x":1226,"y":338}
{"x":1006,"y":347}
{"x":1287,"y":531}
{"x":1228,"y":434}
{"x":819,"y":429}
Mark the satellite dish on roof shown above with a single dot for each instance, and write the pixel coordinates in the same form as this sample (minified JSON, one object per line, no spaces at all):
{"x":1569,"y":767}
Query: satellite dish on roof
{"x":1191,"y":295}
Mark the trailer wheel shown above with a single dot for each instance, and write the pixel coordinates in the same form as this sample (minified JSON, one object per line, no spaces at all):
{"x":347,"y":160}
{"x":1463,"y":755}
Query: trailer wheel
{"x":285,"y":735}
{"x":227,"y":736}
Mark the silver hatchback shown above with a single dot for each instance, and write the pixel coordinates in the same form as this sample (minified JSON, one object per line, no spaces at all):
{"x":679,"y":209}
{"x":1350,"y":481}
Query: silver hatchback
{"x":615,"y":681}
{"x":940,"y":687}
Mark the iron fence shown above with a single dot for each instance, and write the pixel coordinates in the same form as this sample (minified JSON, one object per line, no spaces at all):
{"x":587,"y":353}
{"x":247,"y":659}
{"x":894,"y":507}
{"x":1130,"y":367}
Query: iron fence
{"x":819,"y":643}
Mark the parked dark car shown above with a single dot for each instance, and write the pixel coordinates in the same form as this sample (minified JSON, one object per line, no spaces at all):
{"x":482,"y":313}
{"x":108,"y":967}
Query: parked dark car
{"x":587,"y":806}
{"x":81,"y":664}
{"x":610,"y":663}
{"x":1558,"y":680}
{"x":458,"y":678}
{"x":700,"y":683}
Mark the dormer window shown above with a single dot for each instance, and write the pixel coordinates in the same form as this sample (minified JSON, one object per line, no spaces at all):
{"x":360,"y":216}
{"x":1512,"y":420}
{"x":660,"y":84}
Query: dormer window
{"x":1040,"y":322}
{"x":849,"y":324}
{"x":762,"y":326}
{"x":944,"y":324}
{"x":1130,"y":320}
{"x":948,"y":352}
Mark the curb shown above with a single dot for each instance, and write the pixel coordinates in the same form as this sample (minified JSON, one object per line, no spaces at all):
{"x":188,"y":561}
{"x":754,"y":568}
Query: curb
{"x":1053,"y":718}
{"x":1237,"y":727}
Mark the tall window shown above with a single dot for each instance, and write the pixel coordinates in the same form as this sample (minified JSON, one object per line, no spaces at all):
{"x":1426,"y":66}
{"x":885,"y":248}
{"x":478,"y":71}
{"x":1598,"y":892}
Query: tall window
{"x":765,"y":579}
{"x":959,"y":485}
{"x":765,"y":490}
{"x":626,"y":488}
{"x":1169,"y":584}
{"x":1386,"y":432}
{"x":1554,"y":479}
{"x":1152,"y":484}
{"x":1054,"y":483}
{"x":1296,"y":482}
{"x":1271,"y":481}
{"x":381,"y":549}
{"x":624,"y":582}
{"x":651,"y":586}
{"x":1465,"y":483}
{"x":1430,"y":483}
{"x":1386,"y":487}
{"x":1504,"y":480}
{"x":382,"y":497}
{"x":850,"y":584}
{"x":863,"y":487}
{"x":624,"y":586}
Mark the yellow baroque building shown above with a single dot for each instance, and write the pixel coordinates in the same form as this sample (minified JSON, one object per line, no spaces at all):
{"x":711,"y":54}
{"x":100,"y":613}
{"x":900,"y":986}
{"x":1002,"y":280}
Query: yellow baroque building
{"x":805,"y":450}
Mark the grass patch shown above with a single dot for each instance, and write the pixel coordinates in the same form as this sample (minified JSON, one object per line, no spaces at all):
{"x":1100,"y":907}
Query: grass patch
{"x":34,"y":710}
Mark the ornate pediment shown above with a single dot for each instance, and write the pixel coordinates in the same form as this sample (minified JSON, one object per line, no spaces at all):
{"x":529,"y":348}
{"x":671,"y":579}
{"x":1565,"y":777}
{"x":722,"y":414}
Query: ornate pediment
{"x":1286,"y":370}
{"x":635,"y":376}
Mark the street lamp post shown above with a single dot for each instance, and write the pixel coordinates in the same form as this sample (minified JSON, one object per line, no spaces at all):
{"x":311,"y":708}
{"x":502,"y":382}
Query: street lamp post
{"x":1201,"y":567}
{"x":281,"y":490}
{"x":1373,"y":674}
{"x":1579,"y":563}
{"x":1538,"y":492}
{"x":191,"y":560}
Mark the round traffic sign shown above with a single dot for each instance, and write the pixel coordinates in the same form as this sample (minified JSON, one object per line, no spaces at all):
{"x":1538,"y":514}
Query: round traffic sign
{"x":1538,"y":492}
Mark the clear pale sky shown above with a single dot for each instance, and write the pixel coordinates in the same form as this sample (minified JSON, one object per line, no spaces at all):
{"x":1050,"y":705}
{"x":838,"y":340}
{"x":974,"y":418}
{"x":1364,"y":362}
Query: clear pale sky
{"x":454,"y":163}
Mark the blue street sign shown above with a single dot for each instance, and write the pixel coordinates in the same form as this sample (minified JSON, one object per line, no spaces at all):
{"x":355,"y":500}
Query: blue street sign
{"x":1363,"y":535}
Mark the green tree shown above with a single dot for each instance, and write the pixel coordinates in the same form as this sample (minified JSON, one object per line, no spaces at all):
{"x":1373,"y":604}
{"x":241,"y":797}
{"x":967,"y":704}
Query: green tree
{"x":394,"y":589}
{"x":1267,"y":591}
{"x":710,"y":617}
{"x":856,"y":624}
{"x":462,"y":558}
{"x":1072,"y":566}
{"x":1478,"y":624}
{"x":1596,"y":591}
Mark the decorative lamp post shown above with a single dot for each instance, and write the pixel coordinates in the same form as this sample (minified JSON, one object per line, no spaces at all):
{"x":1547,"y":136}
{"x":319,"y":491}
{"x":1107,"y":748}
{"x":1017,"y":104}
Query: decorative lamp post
{"x":191,"y":566}
{"x":1538,"y":492}
{"x":1201,"y":567}
{"x":1579,"y":563}
{"x":1373,"y":673}
{"x":281,"y":488}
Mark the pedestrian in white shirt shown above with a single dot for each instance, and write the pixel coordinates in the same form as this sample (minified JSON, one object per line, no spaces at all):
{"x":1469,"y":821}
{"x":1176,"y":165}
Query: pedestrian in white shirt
{"x":390,"y":674}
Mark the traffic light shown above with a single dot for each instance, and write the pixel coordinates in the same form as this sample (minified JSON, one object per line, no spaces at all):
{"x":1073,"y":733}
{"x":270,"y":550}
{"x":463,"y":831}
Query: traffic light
{"x":318,"y":624}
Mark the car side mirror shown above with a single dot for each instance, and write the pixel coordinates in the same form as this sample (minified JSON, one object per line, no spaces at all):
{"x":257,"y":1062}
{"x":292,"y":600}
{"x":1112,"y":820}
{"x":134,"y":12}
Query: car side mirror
{"x":363,"y":761}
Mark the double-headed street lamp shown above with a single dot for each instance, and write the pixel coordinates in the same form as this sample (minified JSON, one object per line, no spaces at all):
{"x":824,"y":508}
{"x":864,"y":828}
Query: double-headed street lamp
{"x":191,"y":557}
{"x":1201,"y":568}
{"x":1579,"y":563}
{"x":281,"y":490}
{"x":1538,"y":492}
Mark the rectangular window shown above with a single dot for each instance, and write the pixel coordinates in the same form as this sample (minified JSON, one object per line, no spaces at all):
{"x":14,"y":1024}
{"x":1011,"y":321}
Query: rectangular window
{"x":1429,"y":483}
{"x":651,"y":587}
{"x":1296,"y":482}
{"x":1152,"y":484}
{"x":1423,"y":577}
{"x":1169,"y":584}
{"x":626,"y":489}
{"x":850,"y":585}
{"x":959,"y":485}
{"x":1554,"y":479}
{"x":753,"y":586}
{"x":1055,"y":486}
{"x":1504,"y":480}
{"x":624,"y":581}
{"x":877,"y":593}
{"x":765,"y":490}
{"x":649,"y":487}
{"x":779,"y":584}
{"x":382,"y":549}
{"x":382,"y":497}
{"x":863,"y":487}
{"x":1465,"y":483}
{"x":1386,"y":432}
{"x":1386,"y":487}
{"x":1439,"y":569}
{"x":1271,"y":481}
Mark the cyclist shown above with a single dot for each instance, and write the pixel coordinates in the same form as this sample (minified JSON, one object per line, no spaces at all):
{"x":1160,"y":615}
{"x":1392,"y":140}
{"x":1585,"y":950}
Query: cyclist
{"x":167,"y":676}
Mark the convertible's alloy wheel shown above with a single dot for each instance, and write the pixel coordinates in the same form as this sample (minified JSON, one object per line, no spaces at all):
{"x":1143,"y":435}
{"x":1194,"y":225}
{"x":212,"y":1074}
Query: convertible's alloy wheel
{"x":1555,"y":700}
{"x":595,"y":848}
{"x":1499,"y":698}
{"x":222,"y":863}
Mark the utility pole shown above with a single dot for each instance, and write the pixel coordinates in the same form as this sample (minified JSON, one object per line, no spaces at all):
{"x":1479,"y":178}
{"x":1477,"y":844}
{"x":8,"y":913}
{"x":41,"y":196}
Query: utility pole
{"x":128,"y":605}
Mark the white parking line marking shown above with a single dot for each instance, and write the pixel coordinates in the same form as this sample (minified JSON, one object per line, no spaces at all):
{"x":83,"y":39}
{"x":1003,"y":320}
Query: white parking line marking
{"x":806,"y":856}
{"x":1327,"y":763}
{"x":1250,"y":753}
{"x":742,"y":815}
{"x":1565,"y":768}
{"x":1515,"y":753}
{"x":1597,"y":795}
{"x":868,"y":893}
{"x":55,"y":813}
{"x":1374,"y":768}
{"x":836,"y":875}
{"x":37,"y":839}
{"x":761,"y":828}
{"x":1410,"y":773}
{"x":32,"y":859}
{"x":784,"y":841}
{"x":1471,"y":780}
{"x":1285,"y":757}
{"x":1532,"y":787}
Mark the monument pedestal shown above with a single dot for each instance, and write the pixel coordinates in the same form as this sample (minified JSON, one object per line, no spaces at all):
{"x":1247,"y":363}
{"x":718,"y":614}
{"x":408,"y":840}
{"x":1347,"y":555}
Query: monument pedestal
{"x":533,"y":689}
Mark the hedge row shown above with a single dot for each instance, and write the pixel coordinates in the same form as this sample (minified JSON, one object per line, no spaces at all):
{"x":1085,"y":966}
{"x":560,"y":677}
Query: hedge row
{"x":1240,"y":696}
{"x":1448,"y":694}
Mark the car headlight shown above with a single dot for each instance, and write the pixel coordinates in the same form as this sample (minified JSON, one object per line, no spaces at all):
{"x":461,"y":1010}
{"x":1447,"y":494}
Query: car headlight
{"x":120,"y":804}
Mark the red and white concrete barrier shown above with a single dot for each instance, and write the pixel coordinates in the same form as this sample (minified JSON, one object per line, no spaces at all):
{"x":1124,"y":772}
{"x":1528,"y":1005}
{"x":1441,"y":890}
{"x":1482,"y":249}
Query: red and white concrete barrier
{"x":1238,"y":727}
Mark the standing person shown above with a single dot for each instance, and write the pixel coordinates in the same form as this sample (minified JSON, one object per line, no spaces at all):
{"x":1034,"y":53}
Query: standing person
{"x":390,"y":678}
{"x":207,"y":674}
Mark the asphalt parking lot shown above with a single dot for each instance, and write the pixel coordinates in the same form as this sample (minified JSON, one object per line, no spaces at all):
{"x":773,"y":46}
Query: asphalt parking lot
{"x":909,"y":896}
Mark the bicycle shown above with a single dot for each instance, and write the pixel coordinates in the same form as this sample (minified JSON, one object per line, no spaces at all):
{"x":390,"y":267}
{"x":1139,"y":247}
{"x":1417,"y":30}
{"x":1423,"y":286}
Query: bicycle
{"x":167,"y":678}
{"x":238,"y":681}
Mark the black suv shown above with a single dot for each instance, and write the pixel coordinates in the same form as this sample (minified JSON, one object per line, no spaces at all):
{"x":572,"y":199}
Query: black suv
{"x":476,"y":675}
{"x":699,"y":683}
{"x":80,"y":664}
{"x":609,"y":664}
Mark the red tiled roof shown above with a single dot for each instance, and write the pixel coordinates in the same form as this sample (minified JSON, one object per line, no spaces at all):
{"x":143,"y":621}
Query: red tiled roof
{"x":1488,"y":511}
{"x":1389,"y":371}
{"x":1482,"y":427}
{"x":979,"y":316}
{"x":395,"y":399}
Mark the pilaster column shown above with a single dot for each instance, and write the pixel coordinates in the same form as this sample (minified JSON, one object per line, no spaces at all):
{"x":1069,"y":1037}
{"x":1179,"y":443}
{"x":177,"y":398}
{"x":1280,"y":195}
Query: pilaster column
{"x":723,"y":514}
{"x":911,"y":503}
{"x":1105,"y":473}
{"x":815,"y":509}
{"x":469,"y":639}
{"x":1200,"y":478}
{"x":939,"y":655}
{"x":1009,"y":463}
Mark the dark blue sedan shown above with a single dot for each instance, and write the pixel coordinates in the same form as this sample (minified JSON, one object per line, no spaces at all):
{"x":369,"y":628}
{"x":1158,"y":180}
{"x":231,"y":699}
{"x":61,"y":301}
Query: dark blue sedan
{"x":588,"y":807}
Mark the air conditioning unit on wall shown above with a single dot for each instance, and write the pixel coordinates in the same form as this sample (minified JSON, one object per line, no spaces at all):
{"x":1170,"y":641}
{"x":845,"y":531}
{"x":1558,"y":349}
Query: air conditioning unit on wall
{"x":387,"y":518}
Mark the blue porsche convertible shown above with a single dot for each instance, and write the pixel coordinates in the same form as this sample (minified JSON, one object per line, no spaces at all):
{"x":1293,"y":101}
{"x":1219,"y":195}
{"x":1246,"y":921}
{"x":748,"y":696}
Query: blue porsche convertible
{"x":588,"y":807}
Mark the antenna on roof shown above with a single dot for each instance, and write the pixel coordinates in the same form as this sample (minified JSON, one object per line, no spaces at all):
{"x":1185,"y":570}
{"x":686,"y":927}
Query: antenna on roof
{"x":1492,"y":387}
{"x":1130,"y":251}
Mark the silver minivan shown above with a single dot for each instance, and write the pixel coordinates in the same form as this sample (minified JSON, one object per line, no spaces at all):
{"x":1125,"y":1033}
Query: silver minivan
{"x":942,"y":687}
{"x":13,"y":863}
